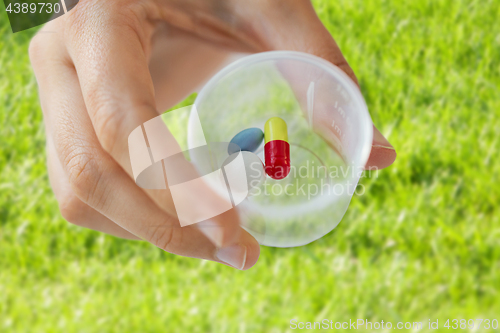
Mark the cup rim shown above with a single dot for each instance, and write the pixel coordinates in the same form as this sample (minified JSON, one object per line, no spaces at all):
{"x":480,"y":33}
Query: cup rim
{"x":366,"y":125}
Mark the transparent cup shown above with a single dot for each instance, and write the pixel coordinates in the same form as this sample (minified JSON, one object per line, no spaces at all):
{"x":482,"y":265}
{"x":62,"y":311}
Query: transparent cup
{"x":329,"y":131}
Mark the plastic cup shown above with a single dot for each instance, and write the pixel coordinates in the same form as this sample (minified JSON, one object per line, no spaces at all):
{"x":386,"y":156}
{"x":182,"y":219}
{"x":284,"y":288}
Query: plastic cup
{"x":329,"y":131}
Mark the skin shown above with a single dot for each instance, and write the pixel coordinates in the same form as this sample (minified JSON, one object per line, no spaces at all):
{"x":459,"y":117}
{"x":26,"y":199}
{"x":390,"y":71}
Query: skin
{"x":106,"y":67}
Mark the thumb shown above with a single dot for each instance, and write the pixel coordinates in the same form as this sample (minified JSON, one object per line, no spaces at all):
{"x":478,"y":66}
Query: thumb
{"x":294,"y":25}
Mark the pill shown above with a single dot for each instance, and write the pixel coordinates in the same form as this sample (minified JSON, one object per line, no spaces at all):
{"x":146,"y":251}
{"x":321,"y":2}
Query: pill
{"x":276,"y":148}
{"x":247,"y":140}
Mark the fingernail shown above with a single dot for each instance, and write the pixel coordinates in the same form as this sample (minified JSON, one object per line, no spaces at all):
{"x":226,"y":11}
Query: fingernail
{"x":380,"y":140}
{"x":234,"y":255}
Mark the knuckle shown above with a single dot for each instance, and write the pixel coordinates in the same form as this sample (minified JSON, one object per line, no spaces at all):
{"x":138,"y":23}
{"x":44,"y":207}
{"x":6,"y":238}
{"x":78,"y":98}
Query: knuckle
{"x":108,"y":122}
{"x":163,"y":236}
{"x":83,"y":172}
{"x":73,"y":209}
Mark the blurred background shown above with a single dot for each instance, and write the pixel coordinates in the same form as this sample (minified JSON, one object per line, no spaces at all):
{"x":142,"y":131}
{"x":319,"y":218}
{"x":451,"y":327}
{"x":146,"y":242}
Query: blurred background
{"x":421,"y":243}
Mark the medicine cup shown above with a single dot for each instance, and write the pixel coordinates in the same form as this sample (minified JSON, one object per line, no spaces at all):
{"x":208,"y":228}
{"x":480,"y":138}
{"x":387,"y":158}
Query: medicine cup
{"x":329,"y":131}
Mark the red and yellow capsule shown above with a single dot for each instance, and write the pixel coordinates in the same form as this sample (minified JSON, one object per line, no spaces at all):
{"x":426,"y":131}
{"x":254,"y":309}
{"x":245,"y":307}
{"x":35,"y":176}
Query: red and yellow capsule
{"x":276,"y":148}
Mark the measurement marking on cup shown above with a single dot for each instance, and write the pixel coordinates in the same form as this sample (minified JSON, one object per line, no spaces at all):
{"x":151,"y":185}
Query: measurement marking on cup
{"x":336,"y":128}
{"x":343,"y":114}
{"x":343,"y":93}
{"x":310,"y":103}
{"x":339,"y":109}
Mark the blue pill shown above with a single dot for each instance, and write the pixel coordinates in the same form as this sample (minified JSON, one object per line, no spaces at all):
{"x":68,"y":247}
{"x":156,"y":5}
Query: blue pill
{"x":247,"y":140}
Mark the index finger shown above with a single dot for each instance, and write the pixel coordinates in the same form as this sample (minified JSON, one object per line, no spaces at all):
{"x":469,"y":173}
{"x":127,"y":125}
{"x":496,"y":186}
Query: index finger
{"x":110,"y":55}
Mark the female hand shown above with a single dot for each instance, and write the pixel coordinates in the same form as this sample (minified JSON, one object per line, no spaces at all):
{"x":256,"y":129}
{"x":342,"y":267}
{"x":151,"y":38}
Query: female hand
{"x":107,"y":67}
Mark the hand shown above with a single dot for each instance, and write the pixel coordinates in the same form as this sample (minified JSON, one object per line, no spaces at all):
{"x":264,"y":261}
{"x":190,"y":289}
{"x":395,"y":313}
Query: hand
{"x":106,"y":67}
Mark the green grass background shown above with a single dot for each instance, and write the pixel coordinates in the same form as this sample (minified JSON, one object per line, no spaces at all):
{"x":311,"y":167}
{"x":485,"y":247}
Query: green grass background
{"x":423,"y":242}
